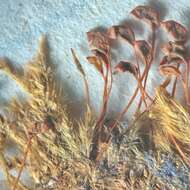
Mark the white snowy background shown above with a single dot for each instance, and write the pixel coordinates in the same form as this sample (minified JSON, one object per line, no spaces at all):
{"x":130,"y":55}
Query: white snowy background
{"x":65,"y":22}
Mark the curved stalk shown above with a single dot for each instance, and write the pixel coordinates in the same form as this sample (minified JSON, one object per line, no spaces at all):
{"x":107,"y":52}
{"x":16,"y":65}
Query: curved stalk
{"x":120,"y":116}
{"x":111,"y":78}
{"x":23,"y":162}
{"x":94,"y":153}
{"x":184,"y":157}
{"x":143,"y":91}
{"x":105,"y":99}
{"x":175,"y":83}
{"x":87,"y":94}
{"x":107,"y":90}
{"x":185,"y":89}
{"x":187,"y":82}
{"x":97,"y":130}
{"x":136,"y":57}
{"x":150,"y":63}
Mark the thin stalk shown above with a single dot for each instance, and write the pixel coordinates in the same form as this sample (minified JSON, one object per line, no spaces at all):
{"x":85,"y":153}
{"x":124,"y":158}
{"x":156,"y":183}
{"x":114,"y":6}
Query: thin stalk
{"x":125,"y":110}
{"x":120,"y":116}
{"x":137,"y":78}
{"x":136,"y":57}
{"x":187,"y":82}
{"x":152,"y":52}
{"x":81,"y":70}
{"x":94,"y":153}
{"x":4,"y":166}
{"x":95,"y":140}
{"x":184,"y":157}
{"x":107,"y":90}
{"x":87,"y":94}
{"x":111,"y":78}
{"x":23,"y":162}
{"x":143,"y":91}
{"x":140,"y":102}
{"x":148,"y":65}
{"x":185,"y":89}
{"x":104,"y":106}
{"x":175,"y":83}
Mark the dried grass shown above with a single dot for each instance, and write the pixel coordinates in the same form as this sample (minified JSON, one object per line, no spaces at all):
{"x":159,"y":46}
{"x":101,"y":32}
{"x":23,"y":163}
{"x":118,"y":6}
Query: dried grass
{"x":166,"y":125}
